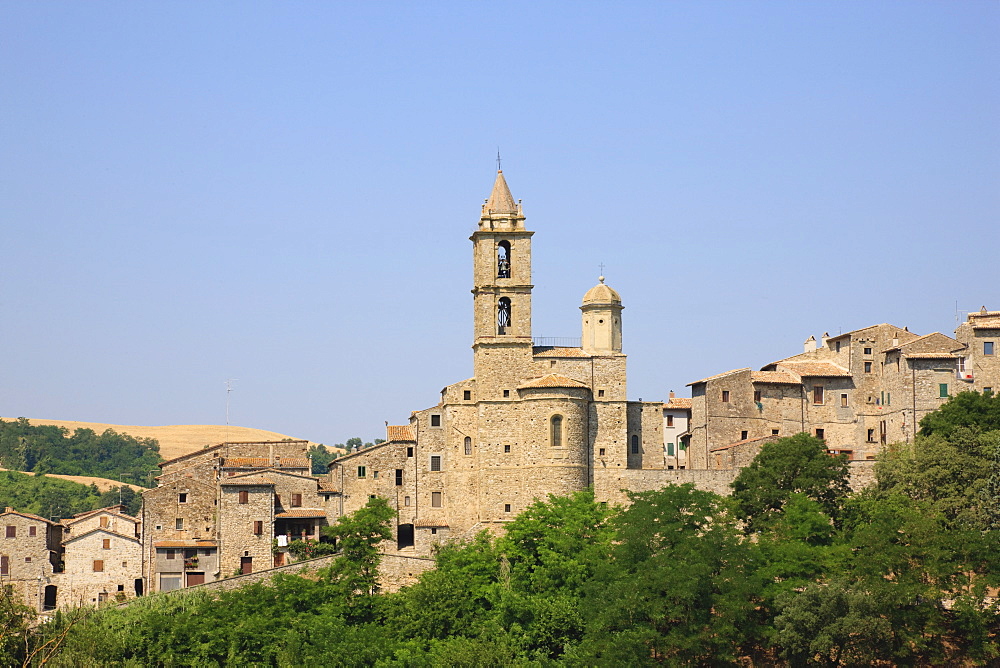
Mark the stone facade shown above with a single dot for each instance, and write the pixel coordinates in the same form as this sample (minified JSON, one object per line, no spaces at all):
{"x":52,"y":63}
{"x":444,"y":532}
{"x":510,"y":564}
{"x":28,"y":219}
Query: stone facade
{"x":859,"y":391}
{"x":102,"y":553}
{"x":30,"y":554}
{"x":230,"y":508}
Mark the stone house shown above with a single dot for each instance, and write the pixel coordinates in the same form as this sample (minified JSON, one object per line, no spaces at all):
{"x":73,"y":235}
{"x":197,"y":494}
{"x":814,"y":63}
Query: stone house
{"x":676,"y":416}
{"x":102,"y":553}
{"x":220,"y":510}
{"x":31,"y":558}
{"x":859,"y":391}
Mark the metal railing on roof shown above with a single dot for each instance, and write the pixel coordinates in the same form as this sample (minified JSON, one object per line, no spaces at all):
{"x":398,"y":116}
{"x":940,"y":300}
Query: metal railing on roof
{"x":556,"y":341}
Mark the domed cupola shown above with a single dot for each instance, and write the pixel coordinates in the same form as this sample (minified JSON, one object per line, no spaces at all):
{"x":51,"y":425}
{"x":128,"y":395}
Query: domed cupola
{"x":602,"y":319}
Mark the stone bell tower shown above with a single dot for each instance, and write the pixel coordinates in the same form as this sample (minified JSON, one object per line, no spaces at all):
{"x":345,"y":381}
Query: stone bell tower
{"x":602,"y":319}
{"x":501,"y":291}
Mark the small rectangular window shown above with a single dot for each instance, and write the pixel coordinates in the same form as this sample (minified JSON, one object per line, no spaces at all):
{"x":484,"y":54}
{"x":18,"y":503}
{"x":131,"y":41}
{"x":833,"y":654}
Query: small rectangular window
{"x":399,"y":477}
{"x":409,"y":452}
{"x":843,"y":401}
{"x":170,"y":554}
{"x":435,"y":499}
{"x":11,"y":531}
{"x":600,"y":452}
{"x":775,"y":432}
{"x":27,"y":560}
{"x":868,"y":367}
{"x":506,"y":507}
{"x":179,"y":524}
{"x":244,"y":496}
{"x":817,"y":394}
{"x":868,"y":351}
{"x":104,"y":522}
{"x":506,"y":393}
{"x":406,"y":501}
{"x":871,"y":435}
{"x":943,"y":390}
{"x":600,"y":393}
{"x":744,"y":435}
{"x":888,"y":399}
{"x":434,"y":531}
{"x":98,"y":565}
{"x":987,"y":347}
{"x":820,"y":433}
{"x":435,"y":462}
{"x":182,"y":497}
{"x":32,"y":529}
{"x":296,"y":500}
{"x":987,"y":391}
{"x":258,"y":527}
{"x":837,"y":346}
{"x":106,"y":544}
{"x":374,"y":475}
{"x":506,"y":448}
{"x":362,"y":472}
{"x":725,"y":396}
{"x":467,"y":395}
{"x":435,"y":420}
{"x":670,"y":449}
{"x":670,"y":420}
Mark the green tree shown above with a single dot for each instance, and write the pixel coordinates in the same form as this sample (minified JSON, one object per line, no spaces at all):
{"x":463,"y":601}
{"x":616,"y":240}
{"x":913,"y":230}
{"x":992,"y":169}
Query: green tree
{"x":951,"y":472}
{"x":795,"y":464}
{"x":679,"y":586}
{"x":972,"y":410}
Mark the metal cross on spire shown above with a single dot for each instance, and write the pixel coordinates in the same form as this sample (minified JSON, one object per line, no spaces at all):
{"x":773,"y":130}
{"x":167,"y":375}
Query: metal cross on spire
{"x":601,"y":265}
{"x":498,"y":159}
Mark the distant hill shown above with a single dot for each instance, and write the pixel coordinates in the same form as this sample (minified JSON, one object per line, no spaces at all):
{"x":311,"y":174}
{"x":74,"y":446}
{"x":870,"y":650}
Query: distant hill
{"x":175,"y":440}
{"x":103,"y":484}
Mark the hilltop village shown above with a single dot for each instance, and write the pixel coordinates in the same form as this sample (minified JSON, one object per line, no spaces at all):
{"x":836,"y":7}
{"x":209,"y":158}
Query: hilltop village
{"x":534,"y":419}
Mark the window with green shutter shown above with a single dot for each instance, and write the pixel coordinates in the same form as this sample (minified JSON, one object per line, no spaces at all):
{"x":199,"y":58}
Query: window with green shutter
{"x":670,"y":449}
{"x":943,"y":390}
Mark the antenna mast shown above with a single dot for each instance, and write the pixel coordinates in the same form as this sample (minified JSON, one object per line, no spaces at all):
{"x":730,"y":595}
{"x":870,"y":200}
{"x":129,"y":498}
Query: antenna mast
{"x":229,"y":390}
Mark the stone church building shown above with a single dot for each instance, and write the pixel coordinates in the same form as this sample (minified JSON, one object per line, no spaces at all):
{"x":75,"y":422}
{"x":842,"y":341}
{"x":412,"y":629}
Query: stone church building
{"x":533,"y":420}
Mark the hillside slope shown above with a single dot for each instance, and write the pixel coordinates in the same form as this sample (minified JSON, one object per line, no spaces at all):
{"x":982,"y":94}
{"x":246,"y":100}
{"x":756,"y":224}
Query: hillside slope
{"x":175,"y":440}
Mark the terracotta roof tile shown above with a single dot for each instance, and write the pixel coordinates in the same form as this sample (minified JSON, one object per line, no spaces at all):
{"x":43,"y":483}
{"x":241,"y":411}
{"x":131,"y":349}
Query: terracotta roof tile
{"x":185,"y":543}
{"x":552,"y":380}
{"x":930,"y":355}
{"x":397,"y":433}
{"x":292,"y":463}
{"x":777,"y":377}
{"x":678,"y":403}
{"x":247,"y":462}
{"x":817,"y":369}
{"x":558,"y":351}
{"x":247,"y":480}
{"x":301,"y":512}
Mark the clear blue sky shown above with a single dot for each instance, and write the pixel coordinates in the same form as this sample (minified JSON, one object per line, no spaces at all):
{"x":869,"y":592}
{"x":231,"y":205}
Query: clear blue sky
{"x":282,"y":193}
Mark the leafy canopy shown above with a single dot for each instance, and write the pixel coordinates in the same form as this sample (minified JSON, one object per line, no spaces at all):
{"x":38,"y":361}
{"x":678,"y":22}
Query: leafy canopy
{"x":794,"y":465}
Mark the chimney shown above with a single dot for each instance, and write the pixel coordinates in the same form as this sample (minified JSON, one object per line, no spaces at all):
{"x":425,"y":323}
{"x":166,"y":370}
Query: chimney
{"x":810,"y":344}
{"x":826,"y":337}
{"x":671,"y":394}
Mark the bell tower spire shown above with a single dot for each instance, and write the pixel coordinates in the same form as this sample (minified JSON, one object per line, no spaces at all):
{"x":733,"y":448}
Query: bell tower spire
{"x":501,"y":290}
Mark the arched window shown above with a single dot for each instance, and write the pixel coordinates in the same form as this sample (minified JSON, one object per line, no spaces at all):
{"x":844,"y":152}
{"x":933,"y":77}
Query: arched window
{"x":635,"y":444}
{"x":503,"y":315}
{"x":555,"y":430}
{"x":503,"y":259}
{"x":468,"y":445}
